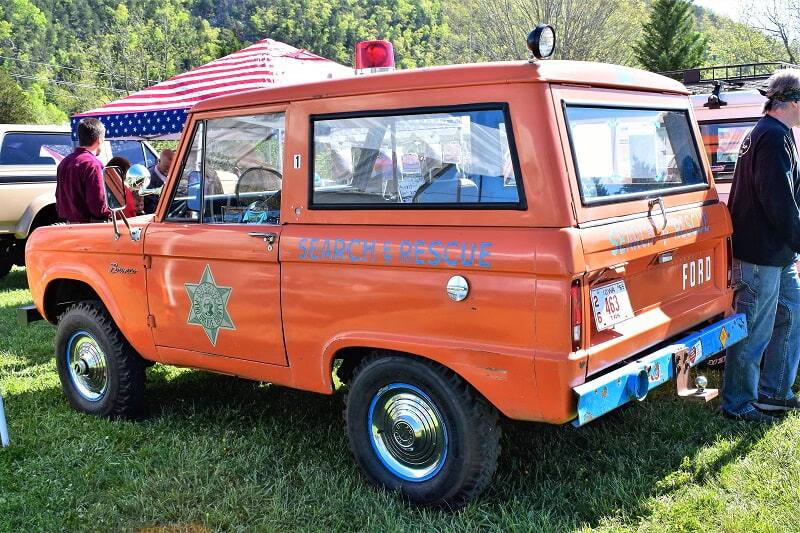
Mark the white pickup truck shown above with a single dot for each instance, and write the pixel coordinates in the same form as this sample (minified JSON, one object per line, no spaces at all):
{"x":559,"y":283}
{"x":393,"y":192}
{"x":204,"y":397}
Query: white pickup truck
{"x":29,"y":155}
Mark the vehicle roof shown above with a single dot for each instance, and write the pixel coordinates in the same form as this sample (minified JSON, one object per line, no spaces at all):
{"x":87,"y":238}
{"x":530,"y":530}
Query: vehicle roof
{"x":733,"y":98}
{"x":575,"y":72}
{"x":49,"y":128}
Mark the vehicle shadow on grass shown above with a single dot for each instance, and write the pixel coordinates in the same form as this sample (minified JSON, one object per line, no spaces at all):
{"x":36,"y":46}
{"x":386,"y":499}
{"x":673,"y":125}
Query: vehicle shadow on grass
{"x":556,"y":477}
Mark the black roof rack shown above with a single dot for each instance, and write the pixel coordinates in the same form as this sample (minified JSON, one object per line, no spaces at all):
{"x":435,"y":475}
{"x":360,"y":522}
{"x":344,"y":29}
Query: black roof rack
{"x":744,"y":76}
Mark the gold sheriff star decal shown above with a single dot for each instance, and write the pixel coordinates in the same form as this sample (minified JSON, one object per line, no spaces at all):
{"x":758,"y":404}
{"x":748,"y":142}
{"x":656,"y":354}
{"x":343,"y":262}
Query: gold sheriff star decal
{"x":209,"y":305}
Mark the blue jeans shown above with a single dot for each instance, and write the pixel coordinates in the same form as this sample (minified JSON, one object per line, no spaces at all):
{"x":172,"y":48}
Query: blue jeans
{"x":765,"y":363}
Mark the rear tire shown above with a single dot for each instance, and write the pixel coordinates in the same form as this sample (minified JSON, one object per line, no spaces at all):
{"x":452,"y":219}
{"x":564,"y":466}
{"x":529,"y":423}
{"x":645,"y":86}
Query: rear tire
{"x":418,"y":428}
{"x":100,"y":372}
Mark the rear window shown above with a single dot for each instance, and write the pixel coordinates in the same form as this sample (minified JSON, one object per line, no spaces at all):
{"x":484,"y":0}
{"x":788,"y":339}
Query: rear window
{"x":623,"y":153}
{"x":35,"y":148}
{"x":457,"y":157}
{"x":722,"y":141}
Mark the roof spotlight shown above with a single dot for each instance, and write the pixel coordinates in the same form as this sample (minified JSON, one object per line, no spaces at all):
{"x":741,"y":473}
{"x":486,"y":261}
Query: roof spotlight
{"x":542,"y":41}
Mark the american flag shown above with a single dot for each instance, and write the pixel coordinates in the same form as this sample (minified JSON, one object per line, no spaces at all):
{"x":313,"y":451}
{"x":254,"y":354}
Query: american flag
{"x":160,"y":111}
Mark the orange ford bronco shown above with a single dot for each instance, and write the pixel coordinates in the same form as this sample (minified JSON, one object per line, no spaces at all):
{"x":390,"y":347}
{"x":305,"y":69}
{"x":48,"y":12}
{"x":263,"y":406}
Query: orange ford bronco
{"x":540,"y":240}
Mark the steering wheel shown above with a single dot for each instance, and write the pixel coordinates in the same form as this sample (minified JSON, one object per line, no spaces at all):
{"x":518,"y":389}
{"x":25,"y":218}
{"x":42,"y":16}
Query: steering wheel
{"x":258,"y":179}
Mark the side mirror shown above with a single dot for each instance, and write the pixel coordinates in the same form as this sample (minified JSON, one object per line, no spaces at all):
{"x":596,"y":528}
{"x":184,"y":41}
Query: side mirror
{"x":115,"y":188}
{"x":117,"y":200}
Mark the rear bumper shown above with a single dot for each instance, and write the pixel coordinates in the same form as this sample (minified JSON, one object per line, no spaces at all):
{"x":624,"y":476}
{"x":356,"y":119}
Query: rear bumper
{"x":634,"y":380}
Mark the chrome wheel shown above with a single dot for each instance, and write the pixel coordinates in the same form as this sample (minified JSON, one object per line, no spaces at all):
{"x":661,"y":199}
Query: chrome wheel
{"x":87,"y":366}
{"x":407,"y":432}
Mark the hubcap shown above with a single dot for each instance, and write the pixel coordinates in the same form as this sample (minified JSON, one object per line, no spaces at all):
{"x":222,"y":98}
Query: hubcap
{"x":408,"y":432}
{"x":87,"y":366}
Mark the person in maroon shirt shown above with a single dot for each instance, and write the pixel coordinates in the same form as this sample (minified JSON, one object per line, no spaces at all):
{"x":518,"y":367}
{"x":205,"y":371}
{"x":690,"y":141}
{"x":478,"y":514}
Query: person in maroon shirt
{"x":80,"y":194}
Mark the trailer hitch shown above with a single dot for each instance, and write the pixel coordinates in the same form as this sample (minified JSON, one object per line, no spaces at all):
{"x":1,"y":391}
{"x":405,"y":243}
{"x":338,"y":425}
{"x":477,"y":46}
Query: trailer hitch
{"x":683,"y":366}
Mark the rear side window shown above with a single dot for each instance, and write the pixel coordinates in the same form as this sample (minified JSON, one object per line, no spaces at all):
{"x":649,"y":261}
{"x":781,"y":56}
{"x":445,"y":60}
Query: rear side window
{"x":722,"y":141}
{"x":444,"y":158}
{"x":623,"y":153}
{"x":35,"y":148}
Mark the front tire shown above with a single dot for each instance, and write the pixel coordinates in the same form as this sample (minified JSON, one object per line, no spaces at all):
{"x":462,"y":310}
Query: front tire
{"x":100,"y":372}
{"x":416,"y":427}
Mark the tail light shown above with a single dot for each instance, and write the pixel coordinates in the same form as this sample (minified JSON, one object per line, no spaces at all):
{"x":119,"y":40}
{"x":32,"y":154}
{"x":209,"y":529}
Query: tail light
{"x":576,"y":313}
{"x":374,"y":56}
{"x":730,"y":261}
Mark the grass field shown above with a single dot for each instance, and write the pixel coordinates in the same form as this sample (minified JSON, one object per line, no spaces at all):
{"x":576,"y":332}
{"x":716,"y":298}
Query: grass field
{"x":216,"y":453}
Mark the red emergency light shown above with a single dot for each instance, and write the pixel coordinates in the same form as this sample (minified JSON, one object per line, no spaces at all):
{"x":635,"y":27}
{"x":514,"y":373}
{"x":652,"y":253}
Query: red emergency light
{"x":375,"y":56}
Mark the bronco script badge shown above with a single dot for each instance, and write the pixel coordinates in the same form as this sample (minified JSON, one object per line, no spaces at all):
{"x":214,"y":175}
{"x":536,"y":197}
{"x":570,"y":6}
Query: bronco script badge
{"x":209,"y":305}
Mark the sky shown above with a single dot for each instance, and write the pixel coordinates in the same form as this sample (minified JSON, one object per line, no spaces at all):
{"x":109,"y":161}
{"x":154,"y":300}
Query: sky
{"x":730,"y":8}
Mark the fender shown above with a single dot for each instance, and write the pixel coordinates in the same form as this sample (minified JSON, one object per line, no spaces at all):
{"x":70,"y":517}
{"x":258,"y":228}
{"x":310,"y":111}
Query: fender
{"x":38,"y":203}
{"x":46,"y":265}
{"x":132,"y":325}
{"x":502,"y":374}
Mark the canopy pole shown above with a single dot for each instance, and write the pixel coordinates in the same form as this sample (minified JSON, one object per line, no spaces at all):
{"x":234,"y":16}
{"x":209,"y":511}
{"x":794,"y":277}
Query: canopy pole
{"x":4,"y":441}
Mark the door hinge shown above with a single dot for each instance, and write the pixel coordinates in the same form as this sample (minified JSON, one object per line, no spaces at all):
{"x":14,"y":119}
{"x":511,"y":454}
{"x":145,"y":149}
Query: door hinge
{"x":151,"y":321}
{"x":148,"y":261}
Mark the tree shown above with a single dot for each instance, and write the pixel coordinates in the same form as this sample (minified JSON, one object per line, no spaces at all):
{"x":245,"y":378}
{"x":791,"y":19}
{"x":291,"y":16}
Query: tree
{"x":780,"y":20}
{"x":331,"y":29}
{"x":668,"y":40}
{"x":588,"y":30}
{"x":731,"y":43}
{"x":15,"y":107}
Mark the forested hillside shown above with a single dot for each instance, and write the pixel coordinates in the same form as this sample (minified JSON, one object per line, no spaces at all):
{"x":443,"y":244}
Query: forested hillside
{"x":71,"y":55}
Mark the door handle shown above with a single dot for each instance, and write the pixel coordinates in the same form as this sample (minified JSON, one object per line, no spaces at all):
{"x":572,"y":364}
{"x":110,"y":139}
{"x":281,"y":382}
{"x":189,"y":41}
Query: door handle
{"x":269,"y":238}
{"x":650,"y":205}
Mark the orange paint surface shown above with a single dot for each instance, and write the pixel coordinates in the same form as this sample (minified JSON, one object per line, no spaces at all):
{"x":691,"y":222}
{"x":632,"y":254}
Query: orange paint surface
{"x":381,"y":283}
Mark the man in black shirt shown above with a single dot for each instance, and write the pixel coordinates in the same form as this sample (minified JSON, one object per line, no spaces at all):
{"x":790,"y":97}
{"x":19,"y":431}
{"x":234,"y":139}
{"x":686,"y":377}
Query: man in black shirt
{"x":760,"y":370}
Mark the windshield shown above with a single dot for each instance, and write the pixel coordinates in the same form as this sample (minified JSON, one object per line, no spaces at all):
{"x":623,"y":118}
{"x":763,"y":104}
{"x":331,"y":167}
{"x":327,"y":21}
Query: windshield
{"x":622,"y":153}
{"x":722,"y":141}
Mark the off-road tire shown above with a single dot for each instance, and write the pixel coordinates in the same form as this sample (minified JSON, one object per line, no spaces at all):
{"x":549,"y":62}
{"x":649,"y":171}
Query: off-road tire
{"x":125,"y":369}
{"x":472,"y":429}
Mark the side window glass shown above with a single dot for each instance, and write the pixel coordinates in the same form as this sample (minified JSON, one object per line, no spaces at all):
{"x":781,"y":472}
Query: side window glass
{"x":439,"y":158}
{"x":243,"y":169}
{"x":185,"y":203}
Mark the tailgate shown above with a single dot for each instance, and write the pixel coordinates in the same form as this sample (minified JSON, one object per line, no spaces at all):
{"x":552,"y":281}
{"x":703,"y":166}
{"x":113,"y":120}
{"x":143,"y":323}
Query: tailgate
{"x":673,"y":280}
{"x":654,"y":235}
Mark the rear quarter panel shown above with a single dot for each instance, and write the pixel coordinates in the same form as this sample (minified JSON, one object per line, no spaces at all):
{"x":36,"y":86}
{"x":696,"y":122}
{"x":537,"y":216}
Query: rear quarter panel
{"x":22,"y":186}
{"x":391,"y":293}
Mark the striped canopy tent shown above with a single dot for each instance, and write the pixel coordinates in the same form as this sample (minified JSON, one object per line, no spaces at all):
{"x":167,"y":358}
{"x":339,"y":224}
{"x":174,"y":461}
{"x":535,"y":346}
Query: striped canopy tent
{"x":159,"y":112}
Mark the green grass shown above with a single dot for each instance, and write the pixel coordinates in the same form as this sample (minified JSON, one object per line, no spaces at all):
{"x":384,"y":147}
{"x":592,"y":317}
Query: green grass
{"x":217,"y":453}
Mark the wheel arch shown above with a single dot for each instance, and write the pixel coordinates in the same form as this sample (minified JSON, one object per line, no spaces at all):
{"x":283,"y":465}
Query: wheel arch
{"x":60,"y":293}
{"x":505,"y":381}
{"x":41,"y":208}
